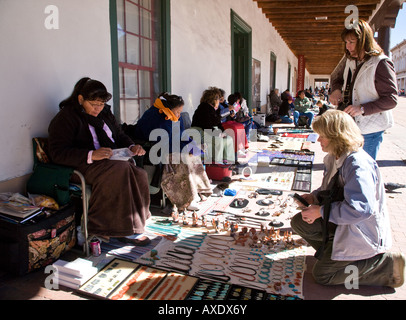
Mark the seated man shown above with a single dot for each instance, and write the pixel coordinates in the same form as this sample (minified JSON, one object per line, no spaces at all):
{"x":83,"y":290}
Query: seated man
{"x":302,"y":106}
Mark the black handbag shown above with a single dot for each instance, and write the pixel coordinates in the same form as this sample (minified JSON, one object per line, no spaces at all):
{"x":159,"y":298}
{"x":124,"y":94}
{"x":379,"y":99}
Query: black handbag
{"x":335,"y":193}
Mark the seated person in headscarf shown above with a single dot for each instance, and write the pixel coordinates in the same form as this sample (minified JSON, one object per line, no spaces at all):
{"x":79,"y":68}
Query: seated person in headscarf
{"x":184,"y":178}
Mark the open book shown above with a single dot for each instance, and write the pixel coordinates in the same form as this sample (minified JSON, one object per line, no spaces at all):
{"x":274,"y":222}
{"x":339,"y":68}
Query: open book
{"x":124,"y":154}
{"x":17,"y":209}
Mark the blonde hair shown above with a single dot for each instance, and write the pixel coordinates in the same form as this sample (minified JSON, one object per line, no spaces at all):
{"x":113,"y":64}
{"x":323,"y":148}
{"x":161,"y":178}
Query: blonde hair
{"x":366,"y":43}
{"x":342,"y":131}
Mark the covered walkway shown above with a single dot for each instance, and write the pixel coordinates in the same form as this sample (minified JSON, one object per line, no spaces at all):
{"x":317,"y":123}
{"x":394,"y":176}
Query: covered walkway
{"x":392,"y":161}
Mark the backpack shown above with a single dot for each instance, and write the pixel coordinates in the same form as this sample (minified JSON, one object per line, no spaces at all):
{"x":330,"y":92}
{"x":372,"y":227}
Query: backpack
{"x":303,"y":121}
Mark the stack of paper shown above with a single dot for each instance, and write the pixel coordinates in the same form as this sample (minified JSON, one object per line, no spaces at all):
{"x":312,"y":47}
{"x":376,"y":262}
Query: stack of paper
{"x":75,"y":273}
{"x":263,"y":161}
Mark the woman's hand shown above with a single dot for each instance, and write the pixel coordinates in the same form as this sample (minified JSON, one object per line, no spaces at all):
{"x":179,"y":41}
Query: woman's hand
{"x":102,"y":154}
{"x":354,"y":111}
{"x":310,"y":199}
{"x":138,"y":150}
{"x":311,"y":214}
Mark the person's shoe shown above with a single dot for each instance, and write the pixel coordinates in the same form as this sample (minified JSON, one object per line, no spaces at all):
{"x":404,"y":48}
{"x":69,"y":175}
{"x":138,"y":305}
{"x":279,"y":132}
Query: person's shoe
{"x":136,"y":240}
{"x":398,"y":270}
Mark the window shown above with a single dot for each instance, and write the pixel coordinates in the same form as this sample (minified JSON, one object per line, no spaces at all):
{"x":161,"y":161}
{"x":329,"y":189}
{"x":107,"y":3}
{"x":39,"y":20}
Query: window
{"x":272,"y":84}
{"x":141,"y":32}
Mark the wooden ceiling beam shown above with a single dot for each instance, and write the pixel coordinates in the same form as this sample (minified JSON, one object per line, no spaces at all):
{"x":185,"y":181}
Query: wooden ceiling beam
{"x":322,"y":11}
{"x":309,"y":34}
{"x":316,"y":43}
{"x":333,"y":63}
{"x":313,"y":49}
{"x":314,"y":55}
{"x":319,"y":62}
{"x":331,"y":67}
{"x":318,"y":40}
{"x":322,"y":31}
{"x":263,"y":4}
{"x":331,"y":58}
{"x":323,"y":70}
{"x":300,"y":29}
{"x":313,"y":15}
{"x":288,"y":25}
{"x":304,"y":20}
{"x":327,"y":71}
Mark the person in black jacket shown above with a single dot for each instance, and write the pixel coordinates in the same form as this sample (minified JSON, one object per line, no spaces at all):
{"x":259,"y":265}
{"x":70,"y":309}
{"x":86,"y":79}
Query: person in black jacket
{"x":207,"y":115}
{"x":207,"y":118}
{"x":285,"y":110}
{"x":83,"y":136}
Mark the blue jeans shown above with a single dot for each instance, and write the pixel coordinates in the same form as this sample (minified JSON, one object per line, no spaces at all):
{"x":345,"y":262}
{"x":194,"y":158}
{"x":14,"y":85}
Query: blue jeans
{"x":309,"y":115}
{"x":286,"y":119}
{"x":248,"y":125}
{"x":372,"y":143}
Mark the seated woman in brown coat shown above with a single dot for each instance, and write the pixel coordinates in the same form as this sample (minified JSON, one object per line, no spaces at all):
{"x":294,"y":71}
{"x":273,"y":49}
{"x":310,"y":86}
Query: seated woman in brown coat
{"x":83,"y":135}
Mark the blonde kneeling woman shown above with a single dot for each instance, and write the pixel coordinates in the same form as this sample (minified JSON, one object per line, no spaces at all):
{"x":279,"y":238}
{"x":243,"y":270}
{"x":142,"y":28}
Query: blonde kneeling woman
{"x":358,"y":234}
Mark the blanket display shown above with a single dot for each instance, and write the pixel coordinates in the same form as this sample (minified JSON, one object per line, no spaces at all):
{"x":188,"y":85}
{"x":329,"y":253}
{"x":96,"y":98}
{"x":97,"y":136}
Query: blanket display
{"x":236,"y":245}
{"x":125,"y":280}
{"x":276,"y":267}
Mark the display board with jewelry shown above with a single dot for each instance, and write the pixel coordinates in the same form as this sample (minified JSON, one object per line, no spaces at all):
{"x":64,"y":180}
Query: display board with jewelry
{"x":297,"y":155}
{"x":236,"y":247}
{"x":277,"y":266}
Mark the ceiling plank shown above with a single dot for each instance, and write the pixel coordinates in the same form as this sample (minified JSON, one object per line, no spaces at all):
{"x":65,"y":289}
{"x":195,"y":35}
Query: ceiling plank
{"x":318,"y":40}
{"x":321,"y":23}
{"x":313,"y":15}
{"x":313,"y":3}
{"x":318,"y":10}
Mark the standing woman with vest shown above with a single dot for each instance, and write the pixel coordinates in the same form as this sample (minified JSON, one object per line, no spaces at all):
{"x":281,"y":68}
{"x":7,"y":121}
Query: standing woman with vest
{"x":366,"y":81}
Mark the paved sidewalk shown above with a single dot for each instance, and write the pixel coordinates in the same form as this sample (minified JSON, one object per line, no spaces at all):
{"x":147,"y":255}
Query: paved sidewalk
{"x":393,"y":169}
